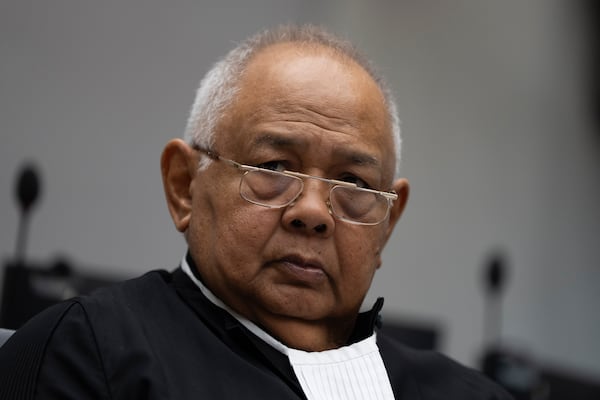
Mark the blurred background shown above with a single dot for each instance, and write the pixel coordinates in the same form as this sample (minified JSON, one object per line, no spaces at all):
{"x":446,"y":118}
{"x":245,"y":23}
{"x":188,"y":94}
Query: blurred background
{"x":499,"y":103}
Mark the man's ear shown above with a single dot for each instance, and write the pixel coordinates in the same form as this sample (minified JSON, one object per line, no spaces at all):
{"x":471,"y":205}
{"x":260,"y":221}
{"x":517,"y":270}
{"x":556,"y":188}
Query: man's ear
{"x":402,"y":188}
{"x":178,"y":166}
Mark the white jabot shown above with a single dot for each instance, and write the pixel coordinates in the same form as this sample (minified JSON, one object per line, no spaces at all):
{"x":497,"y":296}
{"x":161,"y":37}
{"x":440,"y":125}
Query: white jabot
{"x":354,"y":372}
{"x":350,"y":372}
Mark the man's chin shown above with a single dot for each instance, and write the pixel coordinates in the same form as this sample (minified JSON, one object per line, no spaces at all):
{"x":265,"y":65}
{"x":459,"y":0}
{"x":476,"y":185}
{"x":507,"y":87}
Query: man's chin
{"x":300,"y":305}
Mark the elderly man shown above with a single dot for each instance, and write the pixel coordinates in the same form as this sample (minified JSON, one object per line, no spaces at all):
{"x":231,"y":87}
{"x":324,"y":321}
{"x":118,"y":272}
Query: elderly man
{"x":285,"y":191}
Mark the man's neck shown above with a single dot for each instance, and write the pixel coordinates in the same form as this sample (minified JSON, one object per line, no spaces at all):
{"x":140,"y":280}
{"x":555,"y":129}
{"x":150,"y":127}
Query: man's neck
{"x":307,"y":336}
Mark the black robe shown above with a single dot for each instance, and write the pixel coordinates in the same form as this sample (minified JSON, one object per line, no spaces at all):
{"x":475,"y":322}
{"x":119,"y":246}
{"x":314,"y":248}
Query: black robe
{"x":158,"y":337}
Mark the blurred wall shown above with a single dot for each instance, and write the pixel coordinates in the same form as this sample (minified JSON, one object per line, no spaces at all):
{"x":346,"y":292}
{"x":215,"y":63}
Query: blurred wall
{"x":498,"y":148}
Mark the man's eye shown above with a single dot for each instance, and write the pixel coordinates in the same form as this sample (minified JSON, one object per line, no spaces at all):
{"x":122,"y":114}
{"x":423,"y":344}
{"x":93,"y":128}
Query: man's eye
{"x":272,"y":165}
{"x":356,"y":180}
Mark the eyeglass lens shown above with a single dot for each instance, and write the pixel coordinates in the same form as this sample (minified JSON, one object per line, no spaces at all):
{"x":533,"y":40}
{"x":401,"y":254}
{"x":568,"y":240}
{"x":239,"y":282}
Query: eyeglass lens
{"x":356,"y":205}
{"x":270,"y":189}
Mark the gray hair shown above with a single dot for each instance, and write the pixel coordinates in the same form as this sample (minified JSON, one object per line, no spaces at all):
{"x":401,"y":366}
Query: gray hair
{"x":219,"y":86}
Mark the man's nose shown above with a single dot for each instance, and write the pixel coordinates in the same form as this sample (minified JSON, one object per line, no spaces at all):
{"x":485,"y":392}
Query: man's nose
{"x":310,"y":213}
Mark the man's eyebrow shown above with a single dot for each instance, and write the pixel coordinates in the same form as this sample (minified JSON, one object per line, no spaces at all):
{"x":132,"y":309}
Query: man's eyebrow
{"x":358,"y":157}
{"x":364,"y":159}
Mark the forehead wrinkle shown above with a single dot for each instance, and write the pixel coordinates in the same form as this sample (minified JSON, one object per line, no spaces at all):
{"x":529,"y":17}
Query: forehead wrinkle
{"x":316,"y":115}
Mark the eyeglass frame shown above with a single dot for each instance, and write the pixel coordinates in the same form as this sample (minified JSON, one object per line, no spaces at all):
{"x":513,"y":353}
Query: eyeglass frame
{"x":389,"y":196}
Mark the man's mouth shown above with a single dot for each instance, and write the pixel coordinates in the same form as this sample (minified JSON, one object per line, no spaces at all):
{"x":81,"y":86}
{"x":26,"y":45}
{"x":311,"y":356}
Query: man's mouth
{"x":301,"y":268}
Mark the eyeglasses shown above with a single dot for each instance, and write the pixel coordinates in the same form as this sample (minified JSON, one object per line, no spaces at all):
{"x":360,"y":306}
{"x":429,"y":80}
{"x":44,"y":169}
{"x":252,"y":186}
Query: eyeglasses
{"x":278,"y":189}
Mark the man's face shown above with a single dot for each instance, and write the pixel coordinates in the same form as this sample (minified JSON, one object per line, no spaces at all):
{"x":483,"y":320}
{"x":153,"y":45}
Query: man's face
{"x":306,"y":111}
